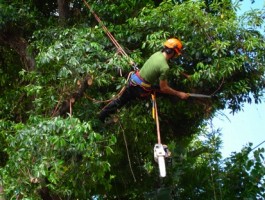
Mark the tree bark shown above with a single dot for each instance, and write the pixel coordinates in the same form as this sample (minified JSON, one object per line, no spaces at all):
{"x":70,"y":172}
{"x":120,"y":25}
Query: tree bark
{"x":19,"y":45}
{"x":63,"y":8}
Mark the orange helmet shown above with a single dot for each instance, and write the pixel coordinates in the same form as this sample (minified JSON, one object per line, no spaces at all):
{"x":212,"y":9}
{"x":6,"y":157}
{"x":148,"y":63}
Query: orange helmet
{"x":175,"y":44}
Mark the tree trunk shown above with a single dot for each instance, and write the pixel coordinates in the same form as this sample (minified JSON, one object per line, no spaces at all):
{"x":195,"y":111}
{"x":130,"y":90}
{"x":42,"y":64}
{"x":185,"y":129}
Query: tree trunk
{"x":63,"y":7}
{"x":20,"y":45}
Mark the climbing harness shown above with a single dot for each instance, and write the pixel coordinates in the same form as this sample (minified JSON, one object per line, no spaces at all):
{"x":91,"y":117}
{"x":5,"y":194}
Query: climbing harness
{"x":136,"y":79}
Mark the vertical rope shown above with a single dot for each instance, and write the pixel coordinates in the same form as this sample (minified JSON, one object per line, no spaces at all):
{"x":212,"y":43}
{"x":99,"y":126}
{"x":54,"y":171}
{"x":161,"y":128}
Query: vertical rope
{"x":125,"y":141}
{"x":71,"y":110}
{"x":155,"y":112}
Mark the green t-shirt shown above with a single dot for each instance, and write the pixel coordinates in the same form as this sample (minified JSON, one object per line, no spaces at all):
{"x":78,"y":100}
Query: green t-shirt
{"x":155,"y":68}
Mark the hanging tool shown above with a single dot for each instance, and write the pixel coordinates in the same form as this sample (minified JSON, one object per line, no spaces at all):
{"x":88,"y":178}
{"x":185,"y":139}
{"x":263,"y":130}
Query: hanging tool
{"x":159,"y":156}
{"x":159,"y":151}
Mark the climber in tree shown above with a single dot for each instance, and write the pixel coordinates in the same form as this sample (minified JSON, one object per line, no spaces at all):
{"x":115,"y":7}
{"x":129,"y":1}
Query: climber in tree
{"x":142,"y":82}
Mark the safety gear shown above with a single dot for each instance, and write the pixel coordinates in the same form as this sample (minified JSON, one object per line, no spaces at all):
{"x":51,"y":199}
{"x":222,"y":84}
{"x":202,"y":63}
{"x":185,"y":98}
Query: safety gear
{"x":175,"y":44}
{"x":136,"y":79}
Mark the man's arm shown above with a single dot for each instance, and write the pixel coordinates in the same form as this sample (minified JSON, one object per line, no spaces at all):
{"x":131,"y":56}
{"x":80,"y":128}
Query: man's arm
{"x":165,"y":88}
{"x":185,"y":75}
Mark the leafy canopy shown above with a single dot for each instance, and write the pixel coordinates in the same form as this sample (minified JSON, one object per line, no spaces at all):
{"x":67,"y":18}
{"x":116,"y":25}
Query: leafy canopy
{"x":74,"y":156}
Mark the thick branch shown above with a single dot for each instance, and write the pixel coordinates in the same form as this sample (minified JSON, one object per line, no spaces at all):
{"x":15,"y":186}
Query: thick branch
{"x":66,"y":105}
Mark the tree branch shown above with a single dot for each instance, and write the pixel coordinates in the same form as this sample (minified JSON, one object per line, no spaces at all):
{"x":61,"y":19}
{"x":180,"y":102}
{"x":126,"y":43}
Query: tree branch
{"x":66,"y":105}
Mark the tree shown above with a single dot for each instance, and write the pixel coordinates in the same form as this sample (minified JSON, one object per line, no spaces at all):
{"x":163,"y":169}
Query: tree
{"x":56,"y":58}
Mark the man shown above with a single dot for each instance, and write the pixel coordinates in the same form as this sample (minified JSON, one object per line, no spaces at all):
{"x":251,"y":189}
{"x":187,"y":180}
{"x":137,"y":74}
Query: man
{"x":142,"y":82}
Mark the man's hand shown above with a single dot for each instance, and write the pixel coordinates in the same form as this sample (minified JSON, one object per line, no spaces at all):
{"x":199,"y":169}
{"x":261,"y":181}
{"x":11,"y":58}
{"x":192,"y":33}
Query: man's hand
{"x":183,"y":95}
{"x":164,"y":87}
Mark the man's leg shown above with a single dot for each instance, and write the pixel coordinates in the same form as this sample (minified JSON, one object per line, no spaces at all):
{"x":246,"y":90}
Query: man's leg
{"x":130,"y":93}
{"x":115,"y":104}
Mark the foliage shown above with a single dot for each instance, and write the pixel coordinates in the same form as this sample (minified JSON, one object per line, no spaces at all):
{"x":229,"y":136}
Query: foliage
{"x":245,"y":174}
{"x":64,"y":155}
{"x":237,"y":177}
{"x":75,"y":156}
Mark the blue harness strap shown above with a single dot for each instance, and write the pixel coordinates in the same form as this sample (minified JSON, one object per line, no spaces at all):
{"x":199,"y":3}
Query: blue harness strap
{"x":137,"y":80}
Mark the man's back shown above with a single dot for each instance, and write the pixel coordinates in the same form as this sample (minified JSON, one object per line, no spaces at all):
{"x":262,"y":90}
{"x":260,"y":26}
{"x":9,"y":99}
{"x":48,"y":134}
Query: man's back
{"x":155,"y":68}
